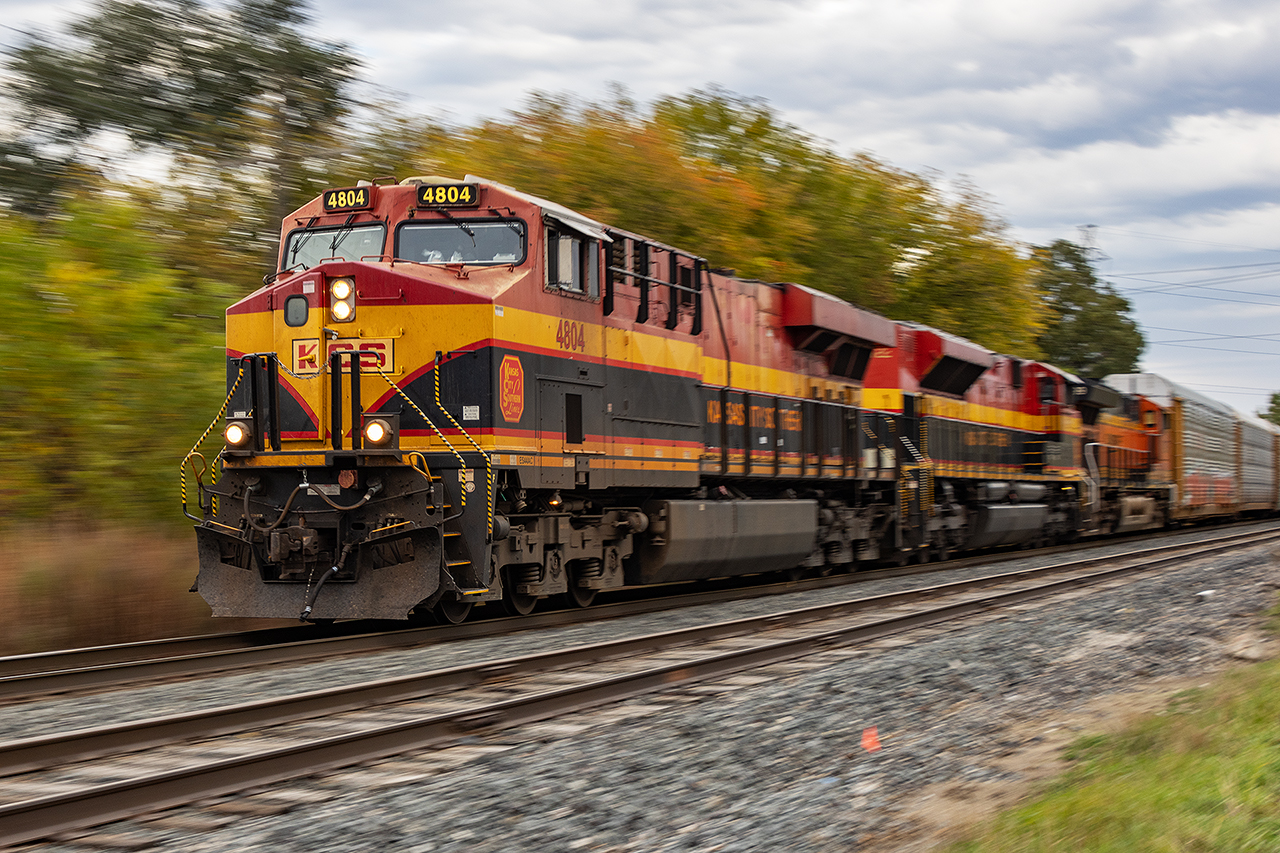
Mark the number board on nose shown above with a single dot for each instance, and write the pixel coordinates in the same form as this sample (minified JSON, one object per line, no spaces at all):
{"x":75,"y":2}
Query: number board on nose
{"x":448,"y":195}
{"x":341,"y":201}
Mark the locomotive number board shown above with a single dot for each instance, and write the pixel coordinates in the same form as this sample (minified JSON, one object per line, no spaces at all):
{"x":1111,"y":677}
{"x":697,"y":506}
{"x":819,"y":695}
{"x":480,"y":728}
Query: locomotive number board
{"x":448,"y":195}
{"x":341,"y":201}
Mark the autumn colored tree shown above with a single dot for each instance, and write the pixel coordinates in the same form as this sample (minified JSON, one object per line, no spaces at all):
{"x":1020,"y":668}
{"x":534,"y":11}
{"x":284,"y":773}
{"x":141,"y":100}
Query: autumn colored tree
{"x":113,"y":344}
{"x":723,"y":176}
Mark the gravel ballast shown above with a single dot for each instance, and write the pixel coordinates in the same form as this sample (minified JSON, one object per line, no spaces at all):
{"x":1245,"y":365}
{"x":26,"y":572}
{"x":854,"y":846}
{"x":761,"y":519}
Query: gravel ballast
{"x":774,"y":760}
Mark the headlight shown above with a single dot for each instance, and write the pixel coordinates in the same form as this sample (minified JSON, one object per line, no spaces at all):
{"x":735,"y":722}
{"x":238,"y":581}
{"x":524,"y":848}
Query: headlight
{"x":238,"y":433}
{"x":377,"y":431}
{"x":342,"y":299}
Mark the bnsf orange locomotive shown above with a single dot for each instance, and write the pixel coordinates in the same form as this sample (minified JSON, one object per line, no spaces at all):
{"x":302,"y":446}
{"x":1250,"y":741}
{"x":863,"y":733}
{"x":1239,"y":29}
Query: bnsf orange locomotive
{"x":453,"y":393}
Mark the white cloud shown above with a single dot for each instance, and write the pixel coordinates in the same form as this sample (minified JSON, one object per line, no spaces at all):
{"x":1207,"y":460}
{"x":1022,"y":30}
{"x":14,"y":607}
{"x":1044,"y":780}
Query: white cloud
{"x":1146,"y":118}
{"x":1204,"y":162}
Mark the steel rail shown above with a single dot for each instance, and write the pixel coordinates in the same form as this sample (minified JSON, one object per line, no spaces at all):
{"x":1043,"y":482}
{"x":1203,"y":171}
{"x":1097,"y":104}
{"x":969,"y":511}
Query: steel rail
{"x":108,"y":667}
{"x":126,"y":656}
{"x":66,"y":660}
{"x":23,"y":676}
{"x":39,"y":818}
{"x":23,"y":755}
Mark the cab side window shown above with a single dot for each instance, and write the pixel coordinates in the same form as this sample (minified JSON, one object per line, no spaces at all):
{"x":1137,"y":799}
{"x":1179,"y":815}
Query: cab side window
{"x":1048,"y":390}
{"x":573,"y":262}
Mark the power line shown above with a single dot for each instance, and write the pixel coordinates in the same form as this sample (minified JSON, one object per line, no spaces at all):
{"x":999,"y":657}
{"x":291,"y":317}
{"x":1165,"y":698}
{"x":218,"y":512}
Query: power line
{"x":1215,"y":298}
{"x":1210,"y":336}
{"x":1202,"y":283}
{"x":1211,"y":349}
{"x":1198,"y":332}
{"x":1197,"y":269}
{"x":1184,"y":239}
{"x":1217,"y":387}
{"x":1218,"y":338}
{"x":1217,"y":390}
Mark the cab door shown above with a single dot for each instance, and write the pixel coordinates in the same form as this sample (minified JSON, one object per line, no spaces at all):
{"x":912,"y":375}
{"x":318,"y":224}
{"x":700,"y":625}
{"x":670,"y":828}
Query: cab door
{"x":571,"y":406}
{"x":298,"y":323}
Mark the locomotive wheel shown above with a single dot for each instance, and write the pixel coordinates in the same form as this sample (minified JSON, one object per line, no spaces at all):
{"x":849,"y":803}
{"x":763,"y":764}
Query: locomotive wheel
{"x":452,"y":611}
{"x":579,"y":596}
{"x":516,"y":603}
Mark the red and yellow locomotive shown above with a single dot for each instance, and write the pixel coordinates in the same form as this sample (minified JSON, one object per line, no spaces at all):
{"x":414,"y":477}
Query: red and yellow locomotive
{"x":452,"y":393}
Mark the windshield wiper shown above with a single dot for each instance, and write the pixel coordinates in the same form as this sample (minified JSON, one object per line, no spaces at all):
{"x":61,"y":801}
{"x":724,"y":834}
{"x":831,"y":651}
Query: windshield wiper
{"x":513,"y":223}
{"x":341,"y":234}
{"x":461,"y":225}
{"x":297,"y":247}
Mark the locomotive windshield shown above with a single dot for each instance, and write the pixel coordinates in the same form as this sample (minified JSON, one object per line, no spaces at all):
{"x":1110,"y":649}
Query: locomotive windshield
{"x":307,"y":247}
{"x":462,"y":242}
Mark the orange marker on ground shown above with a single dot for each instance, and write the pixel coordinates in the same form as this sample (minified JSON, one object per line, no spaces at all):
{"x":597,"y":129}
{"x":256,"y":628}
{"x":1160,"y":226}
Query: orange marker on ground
{"x":870,"y":739}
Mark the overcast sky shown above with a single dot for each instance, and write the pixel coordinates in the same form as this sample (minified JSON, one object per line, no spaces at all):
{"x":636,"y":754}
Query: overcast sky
{"x":1156,"y":122}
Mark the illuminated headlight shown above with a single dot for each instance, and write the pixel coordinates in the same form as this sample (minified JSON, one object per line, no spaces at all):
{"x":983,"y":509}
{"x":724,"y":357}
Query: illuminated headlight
{"x":238,"y":433}
{"x":342,"y":299}
{"x":377,"y":431}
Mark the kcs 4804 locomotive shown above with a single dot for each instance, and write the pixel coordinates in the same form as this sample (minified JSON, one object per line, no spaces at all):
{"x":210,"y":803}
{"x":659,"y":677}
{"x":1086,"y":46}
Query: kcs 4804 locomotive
{"x":453,"y":393}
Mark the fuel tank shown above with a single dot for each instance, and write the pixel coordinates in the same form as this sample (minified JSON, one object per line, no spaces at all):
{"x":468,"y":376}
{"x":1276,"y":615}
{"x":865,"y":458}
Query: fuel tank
{"x":691,"y":540}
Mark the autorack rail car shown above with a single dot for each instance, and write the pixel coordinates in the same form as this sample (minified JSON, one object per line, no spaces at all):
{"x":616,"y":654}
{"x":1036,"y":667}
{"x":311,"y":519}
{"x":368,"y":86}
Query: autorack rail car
{"x":452,"y":392}
{"x":1214,"y":460}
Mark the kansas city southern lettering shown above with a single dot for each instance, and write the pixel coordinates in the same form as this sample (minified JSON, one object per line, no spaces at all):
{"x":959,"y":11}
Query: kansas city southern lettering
{"x":762,"y":417}
{"x":511,"y":389}
{"x":987,"y":438}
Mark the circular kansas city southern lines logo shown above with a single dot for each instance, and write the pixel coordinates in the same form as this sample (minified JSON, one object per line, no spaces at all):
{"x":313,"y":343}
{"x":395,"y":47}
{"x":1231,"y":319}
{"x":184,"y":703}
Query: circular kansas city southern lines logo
{"x":511,"y":388}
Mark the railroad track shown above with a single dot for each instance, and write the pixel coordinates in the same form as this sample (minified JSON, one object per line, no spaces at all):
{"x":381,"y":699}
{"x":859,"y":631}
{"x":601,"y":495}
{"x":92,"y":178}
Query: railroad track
{"x":26,"y":677}
{"x":63,"y":782}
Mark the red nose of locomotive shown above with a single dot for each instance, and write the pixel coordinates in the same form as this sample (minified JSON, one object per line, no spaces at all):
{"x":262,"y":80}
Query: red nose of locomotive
{"x":359,"y":391}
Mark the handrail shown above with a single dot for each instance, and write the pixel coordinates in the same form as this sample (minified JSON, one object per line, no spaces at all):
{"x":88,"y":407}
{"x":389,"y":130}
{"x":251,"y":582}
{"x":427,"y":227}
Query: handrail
{"x":213,"y":471}
{"x":488,"y":460}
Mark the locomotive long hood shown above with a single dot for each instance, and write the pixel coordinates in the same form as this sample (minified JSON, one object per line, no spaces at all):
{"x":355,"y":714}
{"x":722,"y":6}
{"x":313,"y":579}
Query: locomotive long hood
{"x":809,"y":311}
{"x":944,"y":362}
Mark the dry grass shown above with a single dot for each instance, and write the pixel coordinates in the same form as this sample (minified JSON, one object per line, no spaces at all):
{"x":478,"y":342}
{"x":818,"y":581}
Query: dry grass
{"x":71,"y":588}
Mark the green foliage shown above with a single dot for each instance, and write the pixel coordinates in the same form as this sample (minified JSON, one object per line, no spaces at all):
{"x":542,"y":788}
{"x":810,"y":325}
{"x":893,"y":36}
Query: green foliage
{"x":1204,"y":776}
{"x":1272,"y":412}
{"x":108,"y":371}
{"x":225,"y":95}
{"x":1090,"y":331}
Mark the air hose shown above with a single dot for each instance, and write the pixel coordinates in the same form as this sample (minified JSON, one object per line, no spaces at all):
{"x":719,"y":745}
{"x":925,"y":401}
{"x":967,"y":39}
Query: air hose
{"x":315,"y":593}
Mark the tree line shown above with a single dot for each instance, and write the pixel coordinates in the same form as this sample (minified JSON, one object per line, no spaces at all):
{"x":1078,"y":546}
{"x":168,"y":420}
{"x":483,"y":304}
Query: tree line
{"x":111,"y":362}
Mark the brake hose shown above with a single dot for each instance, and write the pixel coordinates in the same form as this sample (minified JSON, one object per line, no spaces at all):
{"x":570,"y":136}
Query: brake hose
{"x":273,"y":525}
{"x":315,"y":593}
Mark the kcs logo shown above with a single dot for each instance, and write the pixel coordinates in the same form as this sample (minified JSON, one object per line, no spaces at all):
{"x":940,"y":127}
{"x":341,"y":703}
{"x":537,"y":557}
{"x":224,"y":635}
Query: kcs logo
{"x":511,"y":388}
{"x":375,"y":353}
